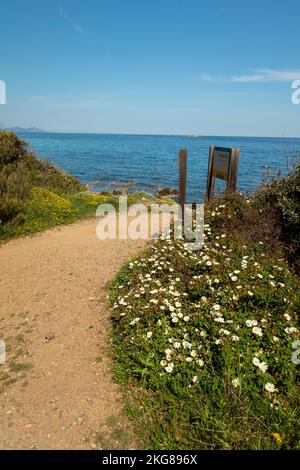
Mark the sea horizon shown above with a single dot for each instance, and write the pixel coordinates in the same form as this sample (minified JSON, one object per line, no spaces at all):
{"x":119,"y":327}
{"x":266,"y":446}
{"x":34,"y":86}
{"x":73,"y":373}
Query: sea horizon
{"x":194,"y":135}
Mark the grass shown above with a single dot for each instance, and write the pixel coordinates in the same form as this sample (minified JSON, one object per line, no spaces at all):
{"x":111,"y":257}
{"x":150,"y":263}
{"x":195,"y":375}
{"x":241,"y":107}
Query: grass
{"x":18,"y":367}
{"x":115,"y":436}
{"x":112,"y":421}
{"x":202,"y":341}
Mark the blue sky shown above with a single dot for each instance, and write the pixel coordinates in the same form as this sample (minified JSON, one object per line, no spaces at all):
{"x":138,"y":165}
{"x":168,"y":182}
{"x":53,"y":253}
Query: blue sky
{"x":159,"y":66}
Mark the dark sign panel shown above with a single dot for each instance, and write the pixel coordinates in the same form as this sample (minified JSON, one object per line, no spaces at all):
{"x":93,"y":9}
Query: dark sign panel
{"x":223,"y":164}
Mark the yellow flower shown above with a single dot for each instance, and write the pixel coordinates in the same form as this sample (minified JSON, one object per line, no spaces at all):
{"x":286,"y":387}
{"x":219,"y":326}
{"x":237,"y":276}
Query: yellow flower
{"x":277,"y":437}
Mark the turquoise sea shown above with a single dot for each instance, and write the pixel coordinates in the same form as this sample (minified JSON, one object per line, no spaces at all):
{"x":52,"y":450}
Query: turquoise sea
{"x":106,"y":161}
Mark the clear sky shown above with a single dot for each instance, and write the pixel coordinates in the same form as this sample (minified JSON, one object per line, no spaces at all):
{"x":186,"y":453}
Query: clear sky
{"x":151,"y":66}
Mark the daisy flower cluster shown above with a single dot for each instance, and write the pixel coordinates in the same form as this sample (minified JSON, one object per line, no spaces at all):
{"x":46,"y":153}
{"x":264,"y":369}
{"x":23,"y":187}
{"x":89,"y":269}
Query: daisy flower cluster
{"x":227,"y":312}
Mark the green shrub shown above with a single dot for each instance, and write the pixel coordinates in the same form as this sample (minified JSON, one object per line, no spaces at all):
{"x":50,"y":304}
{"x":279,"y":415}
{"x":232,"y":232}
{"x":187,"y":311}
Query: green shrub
{"x":46,"y":175}
{"x":10,"y":208}
{"x":20,"y":173}
{"x":12,"y":149}
{"x":282,"y":197}
{"x":47,"y":208}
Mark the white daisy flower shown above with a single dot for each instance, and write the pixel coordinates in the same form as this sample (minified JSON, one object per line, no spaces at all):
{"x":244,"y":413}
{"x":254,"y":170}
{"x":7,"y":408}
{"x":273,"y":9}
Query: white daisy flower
{"x":235,"y":338}
{"x":269,"y":387}
{"x":263,"y":366}
{"x":251,"y":323}
{"x":257,"y":331}
{"x":225,"y":332}
{"x":169,"y":368}
{"x":236,"y":382}
{"x":219,"y":320}
{"x":134,"y":321}
{"x":291,"y":330}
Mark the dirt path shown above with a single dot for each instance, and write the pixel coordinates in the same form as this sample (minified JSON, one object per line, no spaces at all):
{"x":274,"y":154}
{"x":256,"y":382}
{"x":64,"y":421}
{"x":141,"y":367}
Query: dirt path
{"x":56,"y":389}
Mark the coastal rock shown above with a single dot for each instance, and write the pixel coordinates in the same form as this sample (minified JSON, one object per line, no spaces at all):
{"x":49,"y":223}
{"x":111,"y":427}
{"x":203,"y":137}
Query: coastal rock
{"x":123,"y":189}
{"x":169,"y":192}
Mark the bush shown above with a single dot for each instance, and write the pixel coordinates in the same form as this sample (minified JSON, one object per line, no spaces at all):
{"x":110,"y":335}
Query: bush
{"x":12,"y":149}
{"x":10,"y":208}
{"x":282,"y":197}
{"x":20,"y":173}
{"x":46,"y":175}
{"x":44,"y":209}
{"x":47,"y":208}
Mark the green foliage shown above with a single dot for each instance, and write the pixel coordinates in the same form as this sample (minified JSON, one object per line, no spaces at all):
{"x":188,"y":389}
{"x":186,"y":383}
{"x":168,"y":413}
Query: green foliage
{"x":20,"y":172}
{"x":10,"y":208}
{"x":47,"y":207}
{"x":44,"y":209}
{"x":46,"y":175}
{"x":12,"y":149}
{"x":283,"y":197}
{"x":204,"y":340}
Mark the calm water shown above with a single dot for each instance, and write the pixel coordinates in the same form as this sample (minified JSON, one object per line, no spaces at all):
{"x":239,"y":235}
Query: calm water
{"x":105,"y":161}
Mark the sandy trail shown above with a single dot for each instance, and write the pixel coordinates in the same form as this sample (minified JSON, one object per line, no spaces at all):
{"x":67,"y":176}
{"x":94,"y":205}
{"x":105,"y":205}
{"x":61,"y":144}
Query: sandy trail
{"x":56,"y":390}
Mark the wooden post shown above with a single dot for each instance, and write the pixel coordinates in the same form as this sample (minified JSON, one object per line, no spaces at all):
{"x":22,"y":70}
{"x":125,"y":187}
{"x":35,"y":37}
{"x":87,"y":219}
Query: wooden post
{"x":209,"y":184}
{"x":233,"y":171}
{"x":182,"y":166}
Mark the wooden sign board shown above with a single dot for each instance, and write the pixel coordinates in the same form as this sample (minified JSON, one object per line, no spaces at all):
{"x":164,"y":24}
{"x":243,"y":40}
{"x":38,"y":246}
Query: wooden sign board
{"x":222,"y":164}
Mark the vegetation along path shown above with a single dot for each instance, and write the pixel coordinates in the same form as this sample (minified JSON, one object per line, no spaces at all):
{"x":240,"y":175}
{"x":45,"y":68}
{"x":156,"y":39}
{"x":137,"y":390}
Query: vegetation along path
{"x":56,"y":389}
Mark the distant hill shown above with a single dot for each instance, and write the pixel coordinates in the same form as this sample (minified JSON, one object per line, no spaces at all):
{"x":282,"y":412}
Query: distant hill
{"x":23,"y":129}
